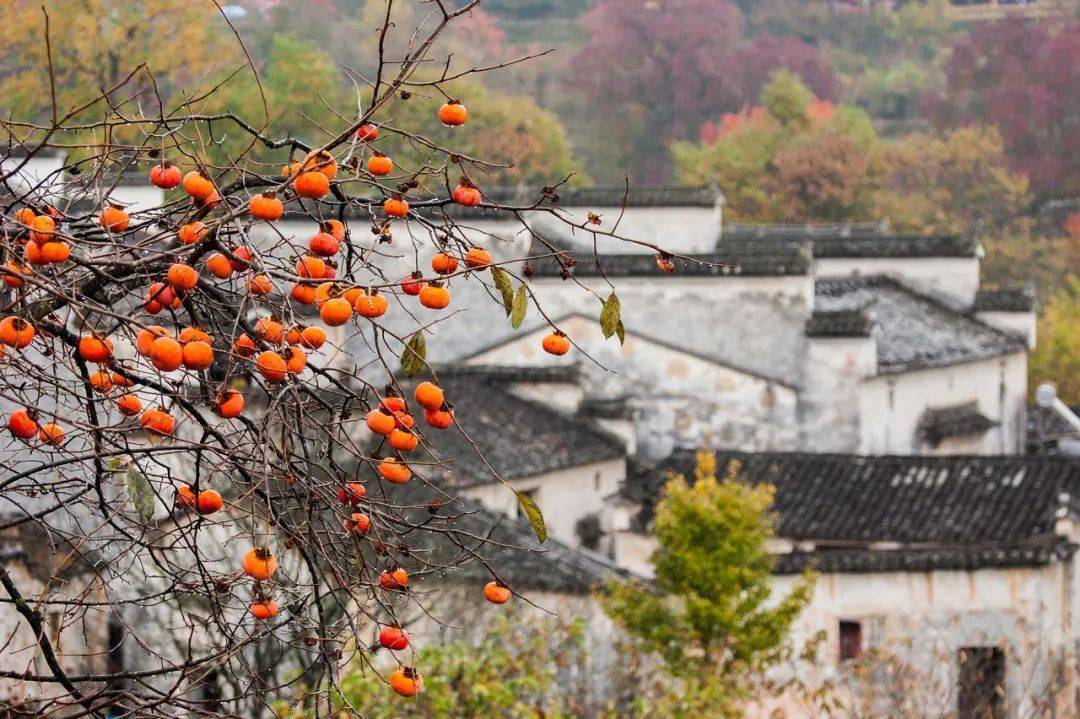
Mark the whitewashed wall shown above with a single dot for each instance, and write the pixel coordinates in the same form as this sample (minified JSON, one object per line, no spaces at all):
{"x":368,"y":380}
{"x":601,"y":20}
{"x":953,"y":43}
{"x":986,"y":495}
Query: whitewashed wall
{"x":1018,"y":323}
{"x":836,"y":368}
{"x":678,"y":229}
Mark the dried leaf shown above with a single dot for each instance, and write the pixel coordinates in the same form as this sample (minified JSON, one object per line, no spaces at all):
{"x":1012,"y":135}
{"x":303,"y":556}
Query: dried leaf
{"x":536,"y":517}
{"x":521,"y":303}
{"x":611,"y":319}
{"x":413,"y":356}
{"x":141,"y":493}
{"x":502,"y":282}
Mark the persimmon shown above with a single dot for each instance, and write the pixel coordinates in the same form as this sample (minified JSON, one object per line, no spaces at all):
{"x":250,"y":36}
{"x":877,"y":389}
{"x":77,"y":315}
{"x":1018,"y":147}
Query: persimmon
{"x":435,"y":296}
{"x":393,"y":403}
{"x":334,"y":228}
{"x":367,"y":132}
{"x":394,"y":470}
{"x":396,"y":206}
{"x":556,"y":343}
{"x":324,"y":245}
{"x":403,"y":440}
{"x":229,"y":404}
{"x":198,"y":355}
{"x":358,"y":522}
{"x":114,"y":218}
{"x":182,"y":277}
{"x":159,"y":296}
{"x":165,"y":176}
{"x":95,"y":349}
{"x":394,"y":638}
{"x":323,"y":292}
{"x":312,"y":337}
{"x":193,"y":334}
{"x":453,"y":113}
{"x":208,"y":502}
{"x":440,"y":418}
{"x":185,"y":496}
{"x":404,"y":419}
{"x":260,"y":285}
{"x":304,"y":294}
{"x":43,"y":229}
{"x":22,"y":424}
{"x":166,"y":354}
{"x":192,"y":232}
{"x":51,"y":433}
{"x":407,"y":682}
{"x":295,"y":359}
{"x":158,"y":421}
{"x":371,"y":305}
{"x":120,"y":380}
{"x":477,"y":258}
{"x":272,"y":366}
{"x":11,"y":272}
{"x":259,"y":564}
{"x":198,"y":185}
{"x":395,"y":579}
{"x":269,"y":329}
{"x":496,"y":593}
{"x":311,"y":185}
{"x":25,"y":216}
{"x":244,"y":346}
{"x":351,"y":493}
{"x":101,"y":381}
{"x":443,"y":263}
{"x":145,"y":339}
{"x":264,"y":610}
{"x":219,"y":266}
{"x":55,"y":252}
{"x":16,"y":332}
{"x":32,"y":253}
{"x":380,"y":165}
{"x":209,"y":202}
{"x":429,"y":395}
{"x":266,"y":207}
{"x":310,"y":267}
{"x":292,"y":169}
{"x":466,"y":195}
{"x":129,"y":405}
{"x":412,"y":284}
{"x":352,"y":294}
{"x":241,"y":258}
{"x":336,"y":311}
{"x":329,"y":273}
{"x":322,"y":161}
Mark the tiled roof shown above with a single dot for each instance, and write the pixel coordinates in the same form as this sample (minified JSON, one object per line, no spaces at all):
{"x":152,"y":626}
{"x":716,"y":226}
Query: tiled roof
{"x":867,"y":239}
{"x":962,"y":420}
{"x":914,"y":331}
{"x":854,"y":322}
{"x":1006,"y":299}
{"x":517,"y":437}
{"x":958,"y":512}
{"x":1046,"y":427}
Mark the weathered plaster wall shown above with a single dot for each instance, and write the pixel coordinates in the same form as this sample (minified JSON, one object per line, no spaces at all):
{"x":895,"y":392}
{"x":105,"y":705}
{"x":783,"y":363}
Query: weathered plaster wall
{"x":1019,"y":323}
{"x":829,"y":409}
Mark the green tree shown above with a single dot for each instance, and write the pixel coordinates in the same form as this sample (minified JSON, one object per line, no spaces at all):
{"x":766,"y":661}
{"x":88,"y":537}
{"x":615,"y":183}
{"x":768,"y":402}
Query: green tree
{"x":710,"y":614}
{"x":1057,"y":356}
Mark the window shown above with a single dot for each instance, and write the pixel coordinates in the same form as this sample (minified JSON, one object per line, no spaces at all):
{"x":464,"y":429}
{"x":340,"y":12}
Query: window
{"x":114,"y":656}
{"x":981,"y":690}
{"x":850,"y":640}
{"x":596,"y":482}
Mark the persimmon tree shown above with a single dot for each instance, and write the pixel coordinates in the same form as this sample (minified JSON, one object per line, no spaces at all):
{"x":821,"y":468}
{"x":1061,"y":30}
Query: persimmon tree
{"x":203,"y":412}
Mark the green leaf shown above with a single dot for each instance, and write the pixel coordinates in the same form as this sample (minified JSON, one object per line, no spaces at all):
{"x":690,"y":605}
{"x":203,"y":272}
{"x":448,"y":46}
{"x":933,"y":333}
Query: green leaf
{"x":502,"y":281}
{"x":141,"y":493}
{"x":414,"y":354}
{"x":611,"y":318}
{"x":536,"y":517}
{"x":521,"y":303}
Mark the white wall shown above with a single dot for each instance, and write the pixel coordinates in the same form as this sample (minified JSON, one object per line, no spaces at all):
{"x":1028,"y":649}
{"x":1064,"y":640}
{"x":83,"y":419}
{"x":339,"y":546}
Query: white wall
{"x":677,"y":229}
{"x":892,"y":405}
{"x":836,"y":368}
{"x":1018,"y":323}
{"x":564,"y":496}
{"x":951,"y":280}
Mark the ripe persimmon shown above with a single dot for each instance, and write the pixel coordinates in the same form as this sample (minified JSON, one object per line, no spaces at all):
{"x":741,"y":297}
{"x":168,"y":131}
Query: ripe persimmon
{"x":393,"y":403}
{"x":145,"y":339}
{"x":496,"y":593}
{"x":321,"y":161}
{"x":219,"y":266}
{"x":259,"y":564}
{"x":396,"y":206}
{"x":22,"y":424}
{"x":192,"y":232}
{"x":380,"y":165}
{"x":370,"y":305}
{"x":324,"y":244}
{"x":158,"y":421}
{"x":435,"y":296}
{"x":311,"y":185}
{"x":367,"y":132}
{"x":129,"y":405}
{"x":304,"y":294}
{"x":264,"y":610}
{"x":101,"y":381}
{"x":403,"y":440}
{"x":407,"y":682}
{"x":556,"y":343}
{"x":443,"y":263}
{"x":336,"y":311}
{"x":310,"y":267}
{"x":198,"y":185}
{"x":467,"y":195}
{"x":16,"y":332}
{"x":95,"y":349}
{"x":55,"y":252}
{"x":266,"y":207}
{"x":394,"y":638}
{"x":395,"y":579}
{"x":51,"y":433}
{"x":260,"y":285}
{"x":272,"y":366}
{"x":312,"y":337}
{"x":182,"y":277}
{"x":295,"y":359}
{"x":269,"y":329}
{"x":229,"y":404}
{"x":357,"y":523}
{"x":43,"y":229}
{"x":120,"y":380}
{"x":412,"y":284}
{"x":166,"y":354}
{"x":114,"y":218}
{"x":165,"y":176}
{"x":429,"y":395}
{"x":477,"y":258}
{"x":394,"y":470}
{"x":209,"y":501}
{"x":334,"y":228}
{"x":198,"y":355}
{"x":185,"y":496}
{"x":351,"y":493}
{"x":453,"y":113}
{"x":11,"y":272}
{"x":440,"y":418}
{"x":193,"y":334}
{"x":380,"y":422}
{"x":241,"y":258}
{"x":244,"y":346}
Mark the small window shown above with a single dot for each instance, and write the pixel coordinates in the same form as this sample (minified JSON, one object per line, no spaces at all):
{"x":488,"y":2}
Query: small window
{"x":981,"y":690}
{"x":596,"y":482}
{"x":850,"y":640}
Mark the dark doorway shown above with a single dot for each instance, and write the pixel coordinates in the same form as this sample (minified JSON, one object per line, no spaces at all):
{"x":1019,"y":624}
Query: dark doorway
{"x":981,"y":693}
{"x":850,"y":640}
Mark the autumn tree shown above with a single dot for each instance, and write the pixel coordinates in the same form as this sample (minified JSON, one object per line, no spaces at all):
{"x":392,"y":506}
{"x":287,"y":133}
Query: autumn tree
{"x":207,"y":437}
{"x":1057,"y":355}
{"x":710,"y":613}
